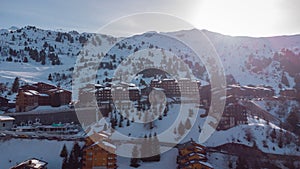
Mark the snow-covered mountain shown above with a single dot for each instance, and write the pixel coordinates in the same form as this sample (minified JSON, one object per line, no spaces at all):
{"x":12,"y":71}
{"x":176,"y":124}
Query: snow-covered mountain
{"x":270,"y":61}
{"x":73,"y":60}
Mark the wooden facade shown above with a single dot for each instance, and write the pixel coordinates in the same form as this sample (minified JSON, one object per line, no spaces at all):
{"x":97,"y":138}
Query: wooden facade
{"x":192,"y":155}
{"x":99,"y":152}
{"x":42,"y":95}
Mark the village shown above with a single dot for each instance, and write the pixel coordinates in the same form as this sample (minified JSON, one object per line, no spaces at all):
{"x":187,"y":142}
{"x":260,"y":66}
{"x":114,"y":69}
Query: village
{"x":45,"y":111}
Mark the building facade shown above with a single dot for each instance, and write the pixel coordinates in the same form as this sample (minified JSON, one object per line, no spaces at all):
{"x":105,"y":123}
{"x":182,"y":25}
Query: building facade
{"x":192,"y":155}
{"x":99,"y":152}
{"x":6,"y":122}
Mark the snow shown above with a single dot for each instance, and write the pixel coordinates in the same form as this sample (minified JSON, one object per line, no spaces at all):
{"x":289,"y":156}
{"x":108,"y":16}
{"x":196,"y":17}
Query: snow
{"x":259,"y":130}
{"x":46,"y":109}
{"x":6,"y":118}
{"x":109,"y":144}
{"x":234,"y":53}
{"x":167,"y":160}
{"x":45,"y":150}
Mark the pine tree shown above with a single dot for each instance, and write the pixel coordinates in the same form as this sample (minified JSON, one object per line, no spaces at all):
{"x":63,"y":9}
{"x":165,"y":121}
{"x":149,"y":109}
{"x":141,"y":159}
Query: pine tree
{"x":144,"y":148}
{"x":188,"y":124}
{"x":74,"y":162}
{"x":128,"y":122}
{"x":155,"y":148}
{"x":25,"y":60}
{"x":273,"y":134}
{"x":134,"y":160}
{"x":50,"y":77}
{"x":181,"y":129}
{"x":15,"y":86}
{"x":120,"y":123}
{"x":105,"y":127}
{"x":77,"y":149}
{"x":65,"y":164}
{"x":64,"y":152}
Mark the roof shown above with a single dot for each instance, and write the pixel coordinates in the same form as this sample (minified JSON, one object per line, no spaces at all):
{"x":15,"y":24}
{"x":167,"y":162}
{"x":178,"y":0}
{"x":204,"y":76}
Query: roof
{"x":196,"y":162}
{"x":32,"y":164}
{"x":6,"y":118}
{"x":28,"y":94}
{"x":199,"y":155}
{"x":190,"y":143}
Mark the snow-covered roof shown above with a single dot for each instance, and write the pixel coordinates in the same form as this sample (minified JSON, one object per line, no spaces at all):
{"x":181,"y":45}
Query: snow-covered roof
{"x":44,"y":94}
{"x":32,"y":163}
{"x":133,"y":88}
{"x":206,"y":164}
{"x":34,"y":92}
{"x":6,"y":118}
{"x":28,"y":94}
{"x":109,"y":144}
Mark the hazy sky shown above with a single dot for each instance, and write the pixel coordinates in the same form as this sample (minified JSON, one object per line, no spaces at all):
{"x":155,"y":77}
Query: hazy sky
{"x":231,"y":17}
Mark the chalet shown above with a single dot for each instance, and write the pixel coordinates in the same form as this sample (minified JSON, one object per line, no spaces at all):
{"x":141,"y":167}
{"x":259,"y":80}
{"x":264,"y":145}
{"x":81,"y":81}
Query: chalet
{"x":59,"y":96}
{"x":27,"y":100}
{"x":121,"y":91}
{"x":99,"y":152}
{"x":188,"y":87}
{"x":31,"y":164}
{"x":195,"y":164}
{"x":43,"y":87}
{"x":105,"y":107}
{"x":42,"y":95}
{"x":190,"y":147}
{"x":29,"y":87}
{"x":134,"y":93}
{"x":192,"y":155}
{"x":234,"y":114}
{"x":6,"y":122}
{"x":172,"y":87}
{"x":103,"y":94}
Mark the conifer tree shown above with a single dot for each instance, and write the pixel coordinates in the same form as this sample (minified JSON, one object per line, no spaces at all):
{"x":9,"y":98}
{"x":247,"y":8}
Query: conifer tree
{"x":15,"y":86}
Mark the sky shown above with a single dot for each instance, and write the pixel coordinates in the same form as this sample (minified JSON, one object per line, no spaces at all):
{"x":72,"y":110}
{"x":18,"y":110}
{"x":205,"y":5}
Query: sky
{"x":231,"y":17}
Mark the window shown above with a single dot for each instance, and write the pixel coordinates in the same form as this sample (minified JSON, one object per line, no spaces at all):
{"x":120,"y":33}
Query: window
{"x":3,"y":125}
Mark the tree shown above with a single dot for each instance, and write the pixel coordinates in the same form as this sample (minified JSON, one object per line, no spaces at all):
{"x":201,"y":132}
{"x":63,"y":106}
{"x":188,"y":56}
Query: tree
{"x":65,"y":164}
{"x":74,"y":162}
{"x":188,"y":124}
{"x":134,"y":160}
{"x":13,"y":38}
{"x":77,"y":149}
{"x":64,"y":152}
{"x":50,"y":77}
{"x":25,"y":60}
{"x":273,"y":134}
{"x":248,"y":134}
{"x":155,"y":147}
{"x":105,"y":127}
{"x":15,"y":86}
{"x":128,"y":122}
{"x":145,"y":148}
{"x":181,"y":129}
{"x":120,"y":123}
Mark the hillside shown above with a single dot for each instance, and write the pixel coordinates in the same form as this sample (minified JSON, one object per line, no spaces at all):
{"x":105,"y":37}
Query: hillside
{"x":76,"y":61}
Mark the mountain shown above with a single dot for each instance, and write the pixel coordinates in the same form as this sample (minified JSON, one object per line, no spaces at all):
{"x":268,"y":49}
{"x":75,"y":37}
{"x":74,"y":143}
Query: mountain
{"x":75,"y":60}
{"x":269,"y":61}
